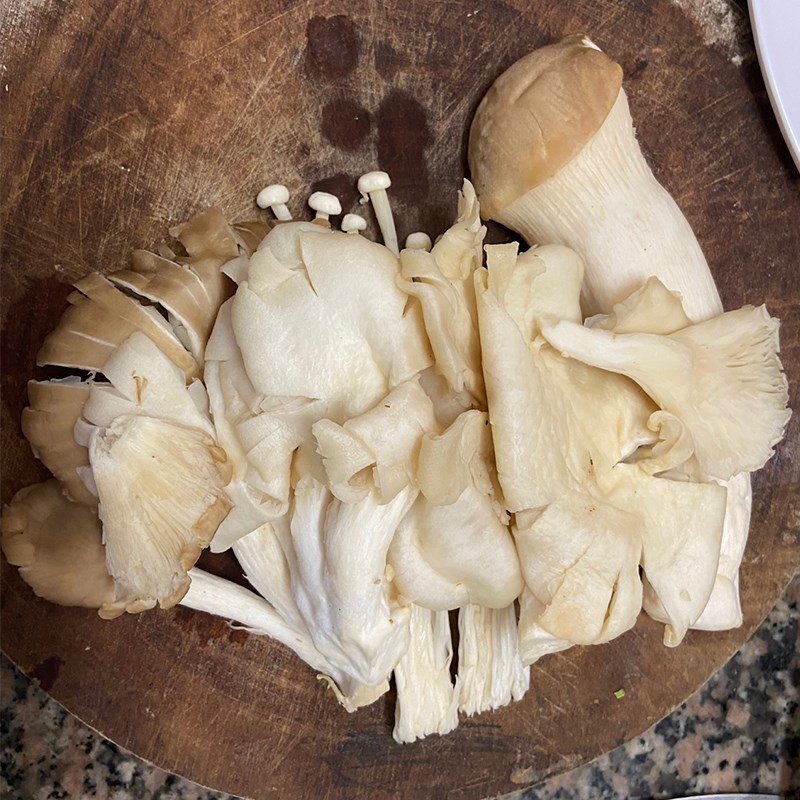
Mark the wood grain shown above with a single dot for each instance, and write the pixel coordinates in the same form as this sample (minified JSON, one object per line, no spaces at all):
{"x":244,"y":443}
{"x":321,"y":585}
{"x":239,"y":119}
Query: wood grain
{"x":120,"y":118}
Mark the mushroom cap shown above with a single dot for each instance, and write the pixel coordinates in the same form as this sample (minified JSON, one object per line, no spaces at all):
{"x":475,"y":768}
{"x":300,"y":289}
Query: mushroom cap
{"x":272,"y":195}
{"x":537,"y":116}
{"x":419,"y":240}
{"x":57,"y":546}
{"x":324,"y":202}
{"x":373,"y":182}
{"x":353,"y":222}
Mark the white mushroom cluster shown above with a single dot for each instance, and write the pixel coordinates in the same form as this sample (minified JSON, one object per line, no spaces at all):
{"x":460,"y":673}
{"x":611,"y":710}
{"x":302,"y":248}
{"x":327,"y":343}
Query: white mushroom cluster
{"x":547,"y":441}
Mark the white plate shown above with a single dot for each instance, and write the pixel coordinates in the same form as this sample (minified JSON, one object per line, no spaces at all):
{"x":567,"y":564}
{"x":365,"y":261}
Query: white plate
{"x":776,"y":28}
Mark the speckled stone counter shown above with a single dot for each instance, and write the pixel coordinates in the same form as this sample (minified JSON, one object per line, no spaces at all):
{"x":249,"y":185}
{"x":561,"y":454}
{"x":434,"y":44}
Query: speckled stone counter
{"x":739,"y":733}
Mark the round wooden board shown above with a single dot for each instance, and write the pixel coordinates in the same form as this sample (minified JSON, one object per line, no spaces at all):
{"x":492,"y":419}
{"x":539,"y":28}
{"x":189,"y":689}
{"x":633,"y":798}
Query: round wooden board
{"x":122,"y":118}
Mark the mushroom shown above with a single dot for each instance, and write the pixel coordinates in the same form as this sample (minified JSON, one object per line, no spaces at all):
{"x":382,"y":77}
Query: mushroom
{"x":379,"y":448}
{"x":325,"y":205}
{"x":419,"y":240}
{"x":353,"y":223}
{"x":275,"y":197}
{"x":58,"y":547}
{"x":161,"y":500}
{"x":158,"y":473}
{"x":554,"y":156}
{"x":722,"y":378}
{"x":442,"y":282}
{"x":373,"y":186}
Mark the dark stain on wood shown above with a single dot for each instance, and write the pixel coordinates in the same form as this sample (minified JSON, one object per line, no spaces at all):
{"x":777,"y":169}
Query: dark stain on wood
{"x":404,"y":137}
{"x":388,"y":61}
{"x":46,"y":672}
{"x":345,"y":123}
{"x":126,"y":117}
{"x":332,"y":47}
{"x":223,"y":564}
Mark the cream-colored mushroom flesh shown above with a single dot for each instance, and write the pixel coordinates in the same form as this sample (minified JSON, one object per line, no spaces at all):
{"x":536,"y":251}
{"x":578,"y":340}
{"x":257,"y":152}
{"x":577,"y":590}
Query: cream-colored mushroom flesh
{"x":57,"y":546}
{"x":553,"y":421}
{"x":426,"y":700}
{"x":318,"y":332}
{"x":453,"y":547}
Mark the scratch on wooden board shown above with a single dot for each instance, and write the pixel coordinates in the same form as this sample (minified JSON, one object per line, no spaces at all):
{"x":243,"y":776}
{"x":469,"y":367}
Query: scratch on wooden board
{"x":192,"y":19}
{"x":727,"y":176}
{"x":244,"y":35}
{"x":56,"y":159}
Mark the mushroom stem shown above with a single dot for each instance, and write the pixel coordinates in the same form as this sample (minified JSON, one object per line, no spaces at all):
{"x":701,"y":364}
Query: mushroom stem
{"x":418,"y":241}
{"x":353,"y":223}
{"x":275,"y":197}
{"x":373,"y":186}
{"x":641,"y":233}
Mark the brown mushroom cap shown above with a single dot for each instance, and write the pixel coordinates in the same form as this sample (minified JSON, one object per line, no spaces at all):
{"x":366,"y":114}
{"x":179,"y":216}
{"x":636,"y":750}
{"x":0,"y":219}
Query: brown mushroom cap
{"x":537,"y":116}
{"x":57,"y":546}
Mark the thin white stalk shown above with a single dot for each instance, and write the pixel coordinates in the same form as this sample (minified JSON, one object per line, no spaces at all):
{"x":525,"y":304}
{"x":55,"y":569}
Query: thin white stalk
{"x":490,"y":671}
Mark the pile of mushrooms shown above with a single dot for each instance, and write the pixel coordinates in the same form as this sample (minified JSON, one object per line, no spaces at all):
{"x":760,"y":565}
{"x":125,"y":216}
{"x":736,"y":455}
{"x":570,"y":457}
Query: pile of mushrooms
{"x":383,"y":436}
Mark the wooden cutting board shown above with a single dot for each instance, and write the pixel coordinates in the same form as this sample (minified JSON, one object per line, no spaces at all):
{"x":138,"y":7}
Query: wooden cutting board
{"x":122,"y":118}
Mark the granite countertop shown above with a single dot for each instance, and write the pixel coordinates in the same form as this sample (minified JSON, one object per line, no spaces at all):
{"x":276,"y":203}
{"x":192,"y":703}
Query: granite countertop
{"x":740,"y":732}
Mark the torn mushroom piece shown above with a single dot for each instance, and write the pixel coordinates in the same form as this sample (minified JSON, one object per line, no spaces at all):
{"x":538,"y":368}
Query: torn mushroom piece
{"x":490,"y":670}
{"x":378,"y":448}
{"x":457,"y":526}
{"x":178,"y":290}
{"x":100,"y":317}
{"x":265,"y":557}
{"x":681,"y":525}
{"x":161,"y":496}
{"x":556,"y":423}
{"x":580,"y":559}
{"x":442,"y":282}
{"x":158,"y":473}
{"x":331,"y":326}
{"x":259,"y":439}
{"x":650,"y":309}
{"x":337,"y":558}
